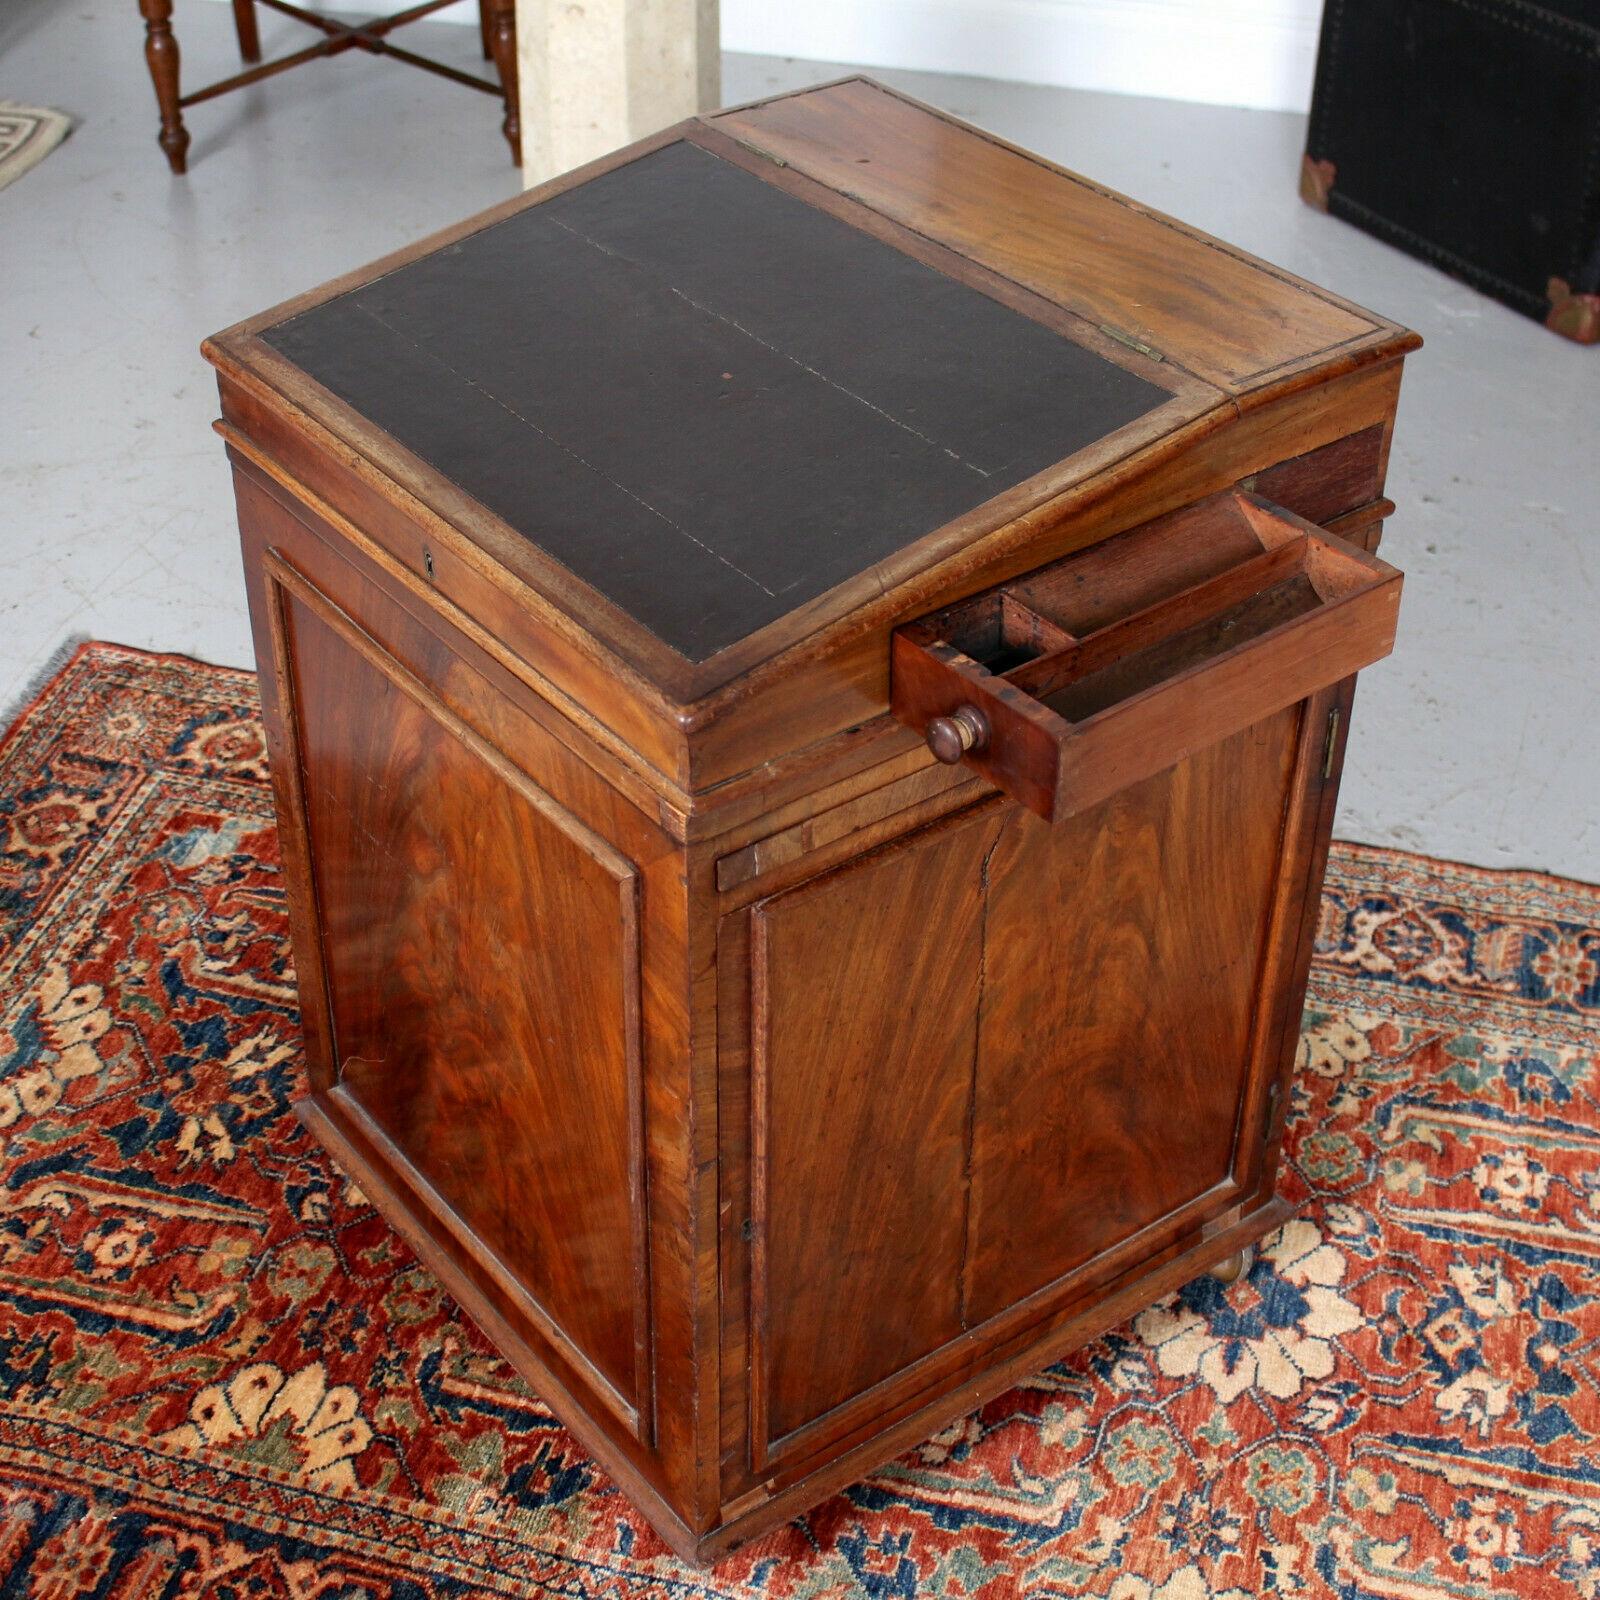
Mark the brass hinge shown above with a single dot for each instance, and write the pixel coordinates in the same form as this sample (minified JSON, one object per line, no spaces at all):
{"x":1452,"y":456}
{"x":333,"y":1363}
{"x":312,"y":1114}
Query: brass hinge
{"x":756,"y":150}
{"x":1332,"y":741}
{"x":1129,"y":340}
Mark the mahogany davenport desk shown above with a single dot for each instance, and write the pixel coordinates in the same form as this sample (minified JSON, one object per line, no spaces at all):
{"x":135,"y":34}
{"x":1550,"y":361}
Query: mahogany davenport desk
{"x":620,"y":561}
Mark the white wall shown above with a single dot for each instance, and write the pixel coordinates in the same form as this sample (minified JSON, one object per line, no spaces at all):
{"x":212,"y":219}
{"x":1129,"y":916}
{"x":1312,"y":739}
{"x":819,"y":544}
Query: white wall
{"x":461,"y":11}
{"x":1225,"y":52}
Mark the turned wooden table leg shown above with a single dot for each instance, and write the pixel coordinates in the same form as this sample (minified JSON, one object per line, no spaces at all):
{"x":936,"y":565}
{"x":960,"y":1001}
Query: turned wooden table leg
{"x":244,"y":23}
{"x":503,"y":42}
{"x":483,"y":28}
{"x":161,"y":52}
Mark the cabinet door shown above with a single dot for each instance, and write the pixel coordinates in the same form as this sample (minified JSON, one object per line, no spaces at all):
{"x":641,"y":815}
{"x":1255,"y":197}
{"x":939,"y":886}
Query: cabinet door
{"x":1124,"y":953}
{"x":864,"y":1004}
{"x":1001,"y":1061}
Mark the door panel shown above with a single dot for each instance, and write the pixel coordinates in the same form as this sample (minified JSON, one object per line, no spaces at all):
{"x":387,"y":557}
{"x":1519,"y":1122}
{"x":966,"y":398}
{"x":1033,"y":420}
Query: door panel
{"x":480,"y":948}
{"x":1122,"y":953}
{"x":864,"y":996}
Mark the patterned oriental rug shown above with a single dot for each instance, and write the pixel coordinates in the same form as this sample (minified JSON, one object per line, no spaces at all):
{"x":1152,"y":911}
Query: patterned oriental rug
{"x":222,"y":1376}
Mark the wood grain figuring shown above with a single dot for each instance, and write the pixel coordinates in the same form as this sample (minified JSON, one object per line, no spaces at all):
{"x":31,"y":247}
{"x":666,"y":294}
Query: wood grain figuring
{"x":832,"y":824}
{"x":1120,"y":577}
{"x":333,"y":556}
{"x":757,"y":714}
{"x":655,"y":1448}
{"x":823,"y":690}
{"x":480,"y":600}
{"x":1000,"y":1365}
{"x":858,"y":1217}
{"x":509,"y":1082}
{"x":1216,"y":312}
{"x":393,"y":1187}
{"x":1095,"y":1113}
{"x":1327,"y":482}
{"x":1194,"y":445}
{"x":1194,"y":1197}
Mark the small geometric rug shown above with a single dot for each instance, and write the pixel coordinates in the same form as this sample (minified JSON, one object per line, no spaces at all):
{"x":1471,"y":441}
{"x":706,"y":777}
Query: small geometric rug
{"x":27,"y":135}
{"x":221,"y":1375}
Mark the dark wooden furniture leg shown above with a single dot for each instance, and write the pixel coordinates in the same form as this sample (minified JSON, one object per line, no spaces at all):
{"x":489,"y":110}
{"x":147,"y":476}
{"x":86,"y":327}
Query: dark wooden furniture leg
{"x":161,"y":51}
{"x":503,"y":43}
{"x":498,"y":31}
{"x":244,"y":22}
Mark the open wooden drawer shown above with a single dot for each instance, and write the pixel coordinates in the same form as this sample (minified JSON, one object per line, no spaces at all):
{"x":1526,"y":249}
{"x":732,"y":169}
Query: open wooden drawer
{"x":1068,"y":683}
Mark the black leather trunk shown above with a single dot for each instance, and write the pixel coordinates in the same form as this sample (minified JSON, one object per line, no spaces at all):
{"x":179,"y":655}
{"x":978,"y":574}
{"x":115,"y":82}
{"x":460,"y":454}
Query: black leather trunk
{"x":1467,"y":132}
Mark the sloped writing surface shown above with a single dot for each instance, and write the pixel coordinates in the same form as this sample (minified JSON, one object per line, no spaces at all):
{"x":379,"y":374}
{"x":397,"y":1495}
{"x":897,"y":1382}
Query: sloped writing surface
{"x":706,"y":398}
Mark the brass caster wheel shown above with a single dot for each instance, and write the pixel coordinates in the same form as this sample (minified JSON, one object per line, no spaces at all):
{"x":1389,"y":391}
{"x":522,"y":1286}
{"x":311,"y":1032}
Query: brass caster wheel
{"x":1235,"y":1267}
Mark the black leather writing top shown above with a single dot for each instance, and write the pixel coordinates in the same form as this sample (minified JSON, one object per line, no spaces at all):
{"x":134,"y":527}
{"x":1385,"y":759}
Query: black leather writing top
{"x":706,"y":398}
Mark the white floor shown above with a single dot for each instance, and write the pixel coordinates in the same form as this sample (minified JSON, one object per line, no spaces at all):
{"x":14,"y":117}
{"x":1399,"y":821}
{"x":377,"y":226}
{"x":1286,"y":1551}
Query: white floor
{"x":1479,"y":740}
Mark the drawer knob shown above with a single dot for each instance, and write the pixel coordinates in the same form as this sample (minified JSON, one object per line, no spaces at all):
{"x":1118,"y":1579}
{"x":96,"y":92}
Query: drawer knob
{"x":964,"y":730}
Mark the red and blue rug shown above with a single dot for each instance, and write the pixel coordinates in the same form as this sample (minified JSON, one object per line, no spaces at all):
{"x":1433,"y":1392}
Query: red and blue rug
{"x":222,"y":1376}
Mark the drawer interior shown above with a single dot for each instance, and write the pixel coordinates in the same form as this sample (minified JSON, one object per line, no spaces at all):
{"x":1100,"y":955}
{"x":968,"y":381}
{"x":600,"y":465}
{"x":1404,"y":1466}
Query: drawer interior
{"x":1085,"y":684}
{"x":1158,"y":601}
{"x":1142,"y":648}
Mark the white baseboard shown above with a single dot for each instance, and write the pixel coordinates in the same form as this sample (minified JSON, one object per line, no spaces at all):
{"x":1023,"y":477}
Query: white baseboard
{"x":1257,"y":53}
{"x":461,"y":11}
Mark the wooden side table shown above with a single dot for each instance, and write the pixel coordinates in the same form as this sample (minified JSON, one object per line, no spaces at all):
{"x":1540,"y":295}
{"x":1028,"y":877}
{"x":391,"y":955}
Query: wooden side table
{"x":497,"y":20}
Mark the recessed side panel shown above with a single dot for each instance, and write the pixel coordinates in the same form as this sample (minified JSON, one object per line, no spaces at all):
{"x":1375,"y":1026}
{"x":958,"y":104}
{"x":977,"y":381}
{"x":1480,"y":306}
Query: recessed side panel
{"x":481,"y":955}
{"x":1122,"y":960}
{"x":864,"y":988}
